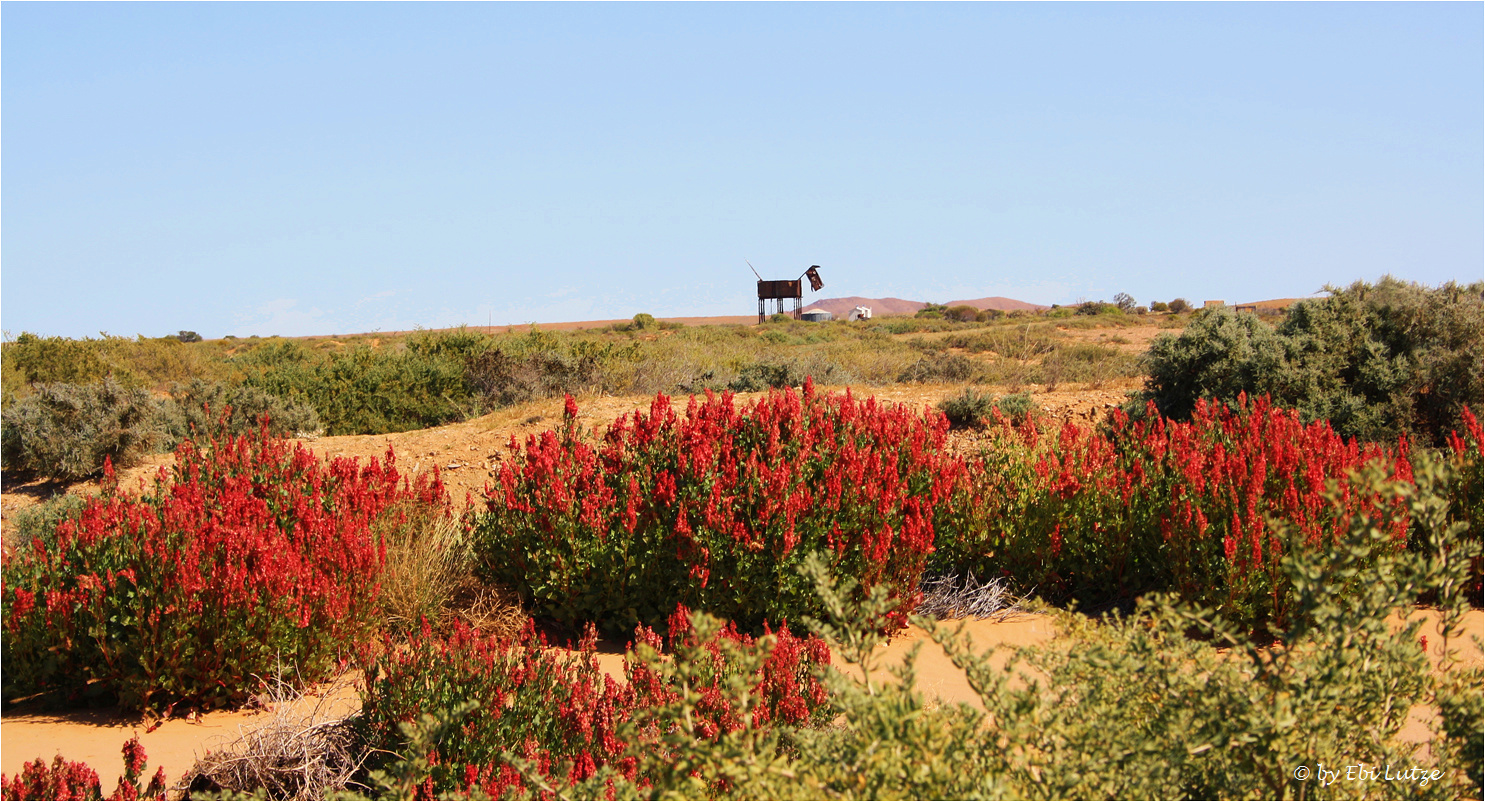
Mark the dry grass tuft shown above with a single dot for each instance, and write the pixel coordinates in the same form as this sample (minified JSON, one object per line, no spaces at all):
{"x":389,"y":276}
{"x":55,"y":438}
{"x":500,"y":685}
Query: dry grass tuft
{"x":296,"y":754}
{"x":489,"y":609}
{"x":429,"y":576}
{"x":952,"y":596}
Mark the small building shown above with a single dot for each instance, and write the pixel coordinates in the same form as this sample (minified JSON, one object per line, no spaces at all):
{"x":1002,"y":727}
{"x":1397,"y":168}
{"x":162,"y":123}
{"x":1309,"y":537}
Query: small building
{"x":816,"y":315}
{"x":1213,"y":304}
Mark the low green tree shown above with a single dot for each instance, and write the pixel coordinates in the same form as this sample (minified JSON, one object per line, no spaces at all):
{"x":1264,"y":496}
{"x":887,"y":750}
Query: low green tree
{"x":1376,"y":360}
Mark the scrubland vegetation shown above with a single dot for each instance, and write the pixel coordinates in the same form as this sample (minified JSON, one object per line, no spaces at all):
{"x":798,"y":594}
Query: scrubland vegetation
{"x":1376,"y":361}
{"x":69,"y":403}
{"x":1253,"y":560}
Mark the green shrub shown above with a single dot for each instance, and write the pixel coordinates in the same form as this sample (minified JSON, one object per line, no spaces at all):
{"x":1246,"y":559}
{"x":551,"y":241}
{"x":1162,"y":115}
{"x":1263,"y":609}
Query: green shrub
{"x":932,"y":311}
{"x":644,"y":321}
{"x":1219,"y":355}
{"x":1179,"y":305}
{"x":942,"y":367}
{"x":971,"y":409}
{"x":1386,"y":359}
{"x":51,"y":360}
{"x":461,"y":343}
{"x":1160,"y":306}
{"x":759,"y":376}
{"x":39,"y":522}
{"x":1377,"y":361}
{"x":1016,"y":407}
{"x":968,"y":409}
{"x":505,"y":379}
{"x":369,"y":391}
{"x":67,"y":431}
{"x":199,"y":406}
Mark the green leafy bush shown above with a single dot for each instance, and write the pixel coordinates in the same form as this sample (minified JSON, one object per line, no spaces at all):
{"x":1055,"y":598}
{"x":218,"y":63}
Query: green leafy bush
{"x":51,"y":360}
{"x":758,"y":376}
{"x":201,"y":406}
{"x":67,"y":431}
{"x":968,"y":409}
{"x":1387,"y":359}
{"x":1016,"y":407}
{"x":506,"y":379}
{"x":1221,"y":354}
{"x":1377,"y":361}
{"x":971,"y":409}
{"x":40,"y":522}
{"x":364,"y":390}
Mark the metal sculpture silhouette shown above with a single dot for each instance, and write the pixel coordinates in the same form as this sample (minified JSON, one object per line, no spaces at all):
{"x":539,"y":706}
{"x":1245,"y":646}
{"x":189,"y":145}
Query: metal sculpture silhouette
{"x":785,"y":291}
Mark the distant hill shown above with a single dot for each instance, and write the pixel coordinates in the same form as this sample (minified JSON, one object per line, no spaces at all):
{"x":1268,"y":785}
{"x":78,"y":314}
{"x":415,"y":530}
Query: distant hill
{"x":998,"y":302}
{"x":879,"y":306}
{"x":1277,"y":303}
{"x":897,"y":306}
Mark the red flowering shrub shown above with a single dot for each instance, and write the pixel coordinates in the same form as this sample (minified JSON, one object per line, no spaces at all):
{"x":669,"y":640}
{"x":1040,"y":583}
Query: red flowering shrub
{"x":716,"y":510}
{"x":250,"y":552}
{"x":1467,"y":452}
{"x":64,"y":779}
{"x":1163,"y":505}
{"x":557,"y":709}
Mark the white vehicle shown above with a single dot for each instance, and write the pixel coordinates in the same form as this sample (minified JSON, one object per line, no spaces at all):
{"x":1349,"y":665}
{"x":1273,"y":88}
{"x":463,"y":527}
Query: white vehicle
{"x":859,"y":313}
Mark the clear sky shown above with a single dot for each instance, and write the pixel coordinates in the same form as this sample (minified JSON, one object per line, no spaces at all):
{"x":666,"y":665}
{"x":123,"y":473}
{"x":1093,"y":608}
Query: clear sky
{"x":331,"y":168}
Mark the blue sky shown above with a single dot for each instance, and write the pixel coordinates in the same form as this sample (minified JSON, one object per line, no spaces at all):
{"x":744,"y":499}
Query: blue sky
{"x":330,"y":168}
